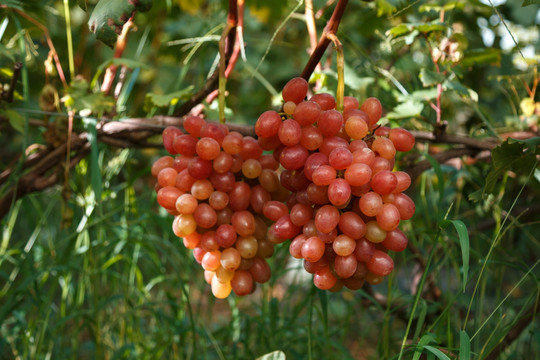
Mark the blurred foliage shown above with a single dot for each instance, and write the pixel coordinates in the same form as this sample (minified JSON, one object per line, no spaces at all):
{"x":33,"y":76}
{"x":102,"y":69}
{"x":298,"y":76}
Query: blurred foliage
{"x":117,"y":284}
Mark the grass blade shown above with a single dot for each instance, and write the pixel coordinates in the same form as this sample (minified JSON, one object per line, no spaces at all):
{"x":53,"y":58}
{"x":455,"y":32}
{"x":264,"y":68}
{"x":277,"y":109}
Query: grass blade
{"x":464,"y":243}
{"x":464,"y":345}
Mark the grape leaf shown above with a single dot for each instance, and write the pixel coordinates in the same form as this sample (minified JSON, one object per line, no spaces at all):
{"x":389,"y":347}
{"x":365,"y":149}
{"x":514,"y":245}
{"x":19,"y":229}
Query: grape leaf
{"x":156,"y":100}
{"x":429,"y":77}
{"x":518,"y":156}
{"x":406,"y":109}
{"x":109,"y":16}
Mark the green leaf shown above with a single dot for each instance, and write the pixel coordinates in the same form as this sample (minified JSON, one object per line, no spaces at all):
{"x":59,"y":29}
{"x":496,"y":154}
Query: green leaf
{"x":461,"y":89}
{"x":482,"y":56}
{"x":438,"y":353}
{"x":16,"y":120}
{"x":78,"y":97}
{"x":384,"y":7}
{"x":464,"y":345}
{"x":530,"y":2}
{"x":464,"y":243}
{"x":446,"y":7}
{"x":109,"y":16}
{"x":424,"y":340}
{"x":518,"y":156}
{"x":430,"y":78}
{"x":274,"y":355}
{"x":155,"y":100}
{"x":95,"y":168}
{"x":406,"y":109}
{"x":16,"y":4}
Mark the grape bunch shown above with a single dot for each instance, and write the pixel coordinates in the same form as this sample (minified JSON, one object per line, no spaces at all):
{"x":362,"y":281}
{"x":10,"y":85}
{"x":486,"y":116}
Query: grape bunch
{"x":345,"y":201}
{"x":216,"y":187}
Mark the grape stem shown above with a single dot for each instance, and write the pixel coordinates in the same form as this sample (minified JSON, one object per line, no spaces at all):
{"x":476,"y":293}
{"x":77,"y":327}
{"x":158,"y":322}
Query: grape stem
{"x":330,"y":28}
{"x":119,"y":48}
{"x":340,"y":60}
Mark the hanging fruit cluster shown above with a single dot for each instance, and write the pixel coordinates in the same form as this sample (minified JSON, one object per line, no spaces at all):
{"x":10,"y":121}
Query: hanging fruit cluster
{"x":328,"y":186}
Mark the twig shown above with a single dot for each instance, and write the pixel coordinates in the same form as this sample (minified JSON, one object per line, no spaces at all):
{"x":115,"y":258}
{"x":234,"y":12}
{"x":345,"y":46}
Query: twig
{"x":324,"y":41}
{"x":8,"y":96}
{"x":119,"y":49}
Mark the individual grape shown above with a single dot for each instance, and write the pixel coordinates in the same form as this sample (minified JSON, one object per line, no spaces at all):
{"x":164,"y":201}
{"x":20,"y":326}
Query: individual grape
{"x":223,"y":275}
{"x":285,"y":229}
{"x":402,"y":139}
{"x":293,"y":157}
{"x":267,"y":161}
{"x":380,"y":164}
{"x":327,"y":218}
{"x":207,"y":148}
{"x":359,"y":191}
{"x":313,"y":267}
{"x":343,"y":245}
{"x":225,"y":235}
{"x":288,"y":107}
{"x":168,"y":136}
{"x":166,"y":197}
{"x":356,"y":127}
{"x":382,"y":131}
{"x":339,"y":192}
{"x":301,"y":214}
{"x":260,"y":270}
{"x":307,"y":113}
{"x":405,"y":206}
{"x":353,"y":283}
{"x":295,"y":247}
{"x":192,"y":240}
{"x":210,"y":260}
{"x":383,"y":182}
{"x":324,"y":279}
{"x":199,"y":168}
{"x":193,"y":125}
{"x":185,"y":145}
{"x":403,"y":181}
{"x":313,"y":249}
{"x":295,"y":90}
{"x":268,"y":124}
{"x":184,"y":224}
{"x":269,"y":180}
{"x":352,"y":225}
{"x":374,"y":233}
{"x":247,"y":246}
{"x":290,"y":132}
{"x":221,"y":182}
{"x":205,"y":216}
{"x":251,"y":149}
{"x":242,"y":283}
{"x":198,"y":254}
{"x":214,"y":131}
{"x":332,"y":142}
{"x":219,"y":289}
{"x":345,"y":266}
{"x":243,"y":222}
{"x":388,"y":217}
{"x":384,"y":147}
{"x":274,"y":210}
{"x":259,"y":197}
{"x":233,"y":143}
{"x":245,"y":264}
{"x":364,"y":156}
{"x":356,"y":145}
{"x":251,"y":168}
{"x":364,"y":250}
{"x":202,"y":189}
{"x":167,"y":177}
{"x":373,"y":279}
{"x":309,"y":229}
{"x":317,"y":194}
{"x":265,"y":249}
{"x":237,"y":162}
{"x":186,"y":204}
{"x":239,"y":196}
{"x":358,"y":174}
{"x":330,"y":122}
{"x":350,"y":103}
{"x":269,"y":143}
{"x":222,"y":163}
{"x":218,"y":200}
{"x":224,"y":216}
{"x":230,"y":259}
{"x":340,"y":158}
{"x":325,"y":101}
{"x":380,"y":264}
{"x":184,"y":181}
{"x":370,"y":203}
{"x":327,"y":238}
{"x":395,"y":240}
{"x":311,"y":137}
{"x":372,"y":106}
{"x":324,"y":175}
{"x":160,"y":164}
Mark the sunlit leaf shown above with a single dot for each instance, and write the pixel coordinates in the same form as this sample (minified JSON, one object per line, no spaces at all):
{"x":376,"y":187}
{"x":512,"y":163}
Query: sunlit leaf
{"x":407,"y":109}
{"x":429,"y":77}
{"x":481,"y":57}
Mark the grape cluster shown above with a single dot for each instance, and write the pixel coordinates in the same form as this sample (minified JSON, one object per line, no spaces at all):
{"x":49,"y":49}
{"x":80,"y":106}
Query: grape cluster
{"x":216,"y":187}
{"x":345,"y":201}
